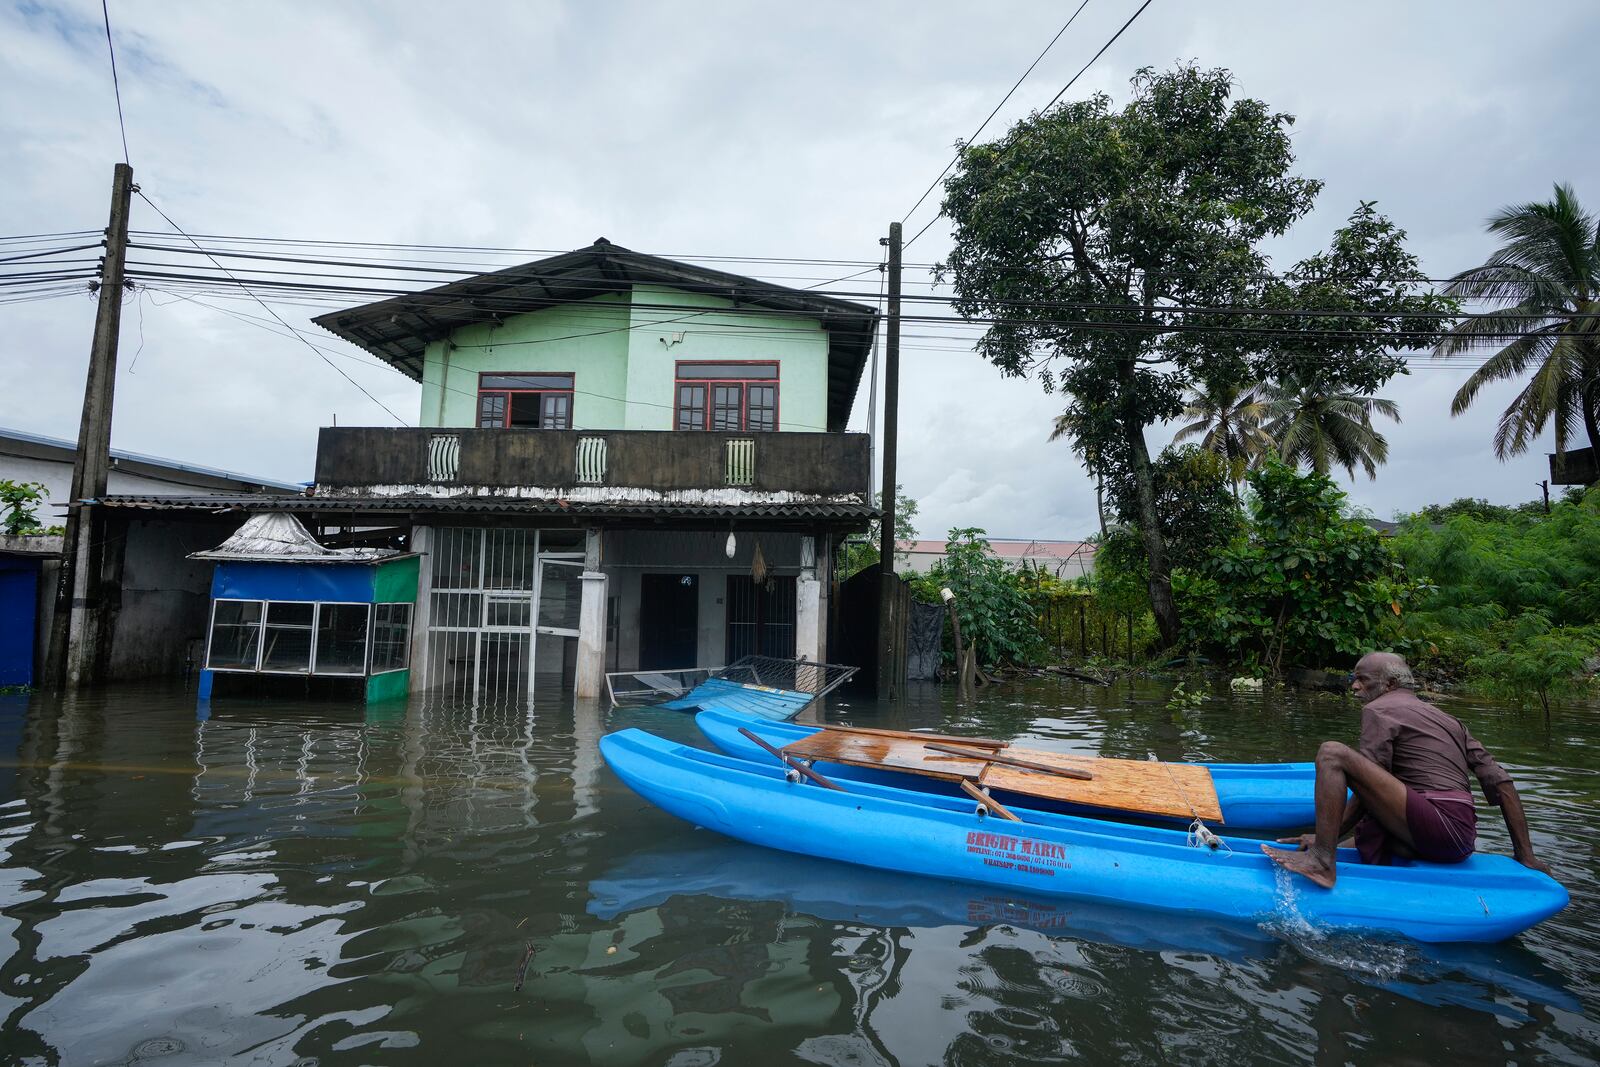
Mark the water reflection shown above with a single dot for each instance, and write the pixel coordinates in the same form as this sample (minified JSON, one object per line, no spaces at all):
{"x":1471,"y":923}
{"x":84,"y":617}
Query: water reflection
{"x":276,"y":882}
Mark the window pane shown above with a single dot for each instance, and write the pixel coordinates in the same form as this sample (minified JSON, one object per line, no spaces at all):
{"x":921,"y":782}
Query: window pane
{"x":727,"y":407}
{"x":492,"y":410}
{"x":560,"y":596}
{"x":235,"y":635}
{"x":763,"y":411}
{"x":286,"y":642}
{"x":729,"y":371}
{"x":524,"y":411}
{"x":342,"y":639}
{"x":391,"y":637}
{"x":557,"y":411}
{"x":691,"y":407}
{"x":525,"y":381}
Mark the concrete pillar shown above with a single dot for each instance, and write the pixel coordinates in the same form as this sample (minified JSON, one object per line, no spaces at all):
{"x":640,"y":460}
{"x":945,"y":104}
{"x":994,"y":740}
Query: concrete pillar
{"x":422,"y":541}
{"x":808,"y":605}
{"x":591,"y":673}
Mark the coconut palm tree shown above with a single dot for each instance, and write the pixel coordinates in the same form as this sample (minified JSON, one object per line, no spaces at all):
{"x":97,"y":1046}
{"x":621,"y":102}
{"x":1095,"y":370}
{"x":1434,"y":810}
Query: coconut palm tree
{"x":1545,"y":281}
{"x":1326,"y":429}
{"x":1229,"y":420}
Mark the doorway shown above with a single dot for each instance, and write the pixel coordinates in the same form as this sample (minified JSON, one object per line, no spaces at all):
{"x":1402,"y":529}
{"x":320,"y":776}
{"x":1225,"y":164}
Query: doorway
{"x":669,"y":621}
{"x":760,"y":617}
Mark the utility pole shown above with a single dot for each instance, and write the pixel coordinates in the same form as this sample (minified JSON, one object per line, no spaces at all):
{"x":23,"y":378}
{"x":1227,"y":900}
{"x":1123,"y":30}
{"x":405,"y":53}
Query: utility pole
{"x":891,"y":627}
{"x":74,"y":654}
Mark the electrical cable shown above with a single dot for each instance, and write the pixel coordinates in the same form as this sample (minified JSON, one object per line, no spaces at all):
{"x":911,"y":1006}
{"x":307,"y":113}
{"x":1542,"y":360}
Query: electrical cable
{"x":275,"y":315}
{"x":1018,"y":84}
{"x":1062,"y":92}
{"x":116,"y":85}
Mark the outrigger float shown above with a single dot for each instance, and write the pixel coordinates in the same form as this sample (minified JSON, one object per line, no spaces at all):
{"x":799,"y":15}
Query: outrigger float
{"x":780,"y":805}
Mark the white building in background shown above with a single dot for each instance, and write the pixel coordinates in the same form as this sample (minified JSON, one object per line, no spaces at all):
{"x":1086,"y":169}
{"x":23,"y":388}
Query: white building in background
{"x":31,"y":457}
{"x":1063,"y":559}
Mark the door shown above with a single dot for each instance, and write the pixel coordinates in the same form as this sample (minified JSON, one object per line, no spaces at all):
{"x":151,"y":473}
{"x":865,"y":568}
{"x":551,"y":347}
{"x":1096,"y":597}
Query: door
{"x":760,"y":617}
{"x":669,"y":621}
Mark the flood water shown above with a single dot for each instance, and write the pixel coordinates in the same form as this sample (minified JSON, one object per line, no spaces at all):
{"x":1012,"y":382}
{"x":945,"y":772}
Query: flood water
{"x":287,"y":883}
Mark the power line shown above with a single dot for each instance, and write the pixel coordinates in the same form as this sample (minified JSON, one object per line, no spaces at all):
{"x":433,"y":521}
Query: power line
{"x":275,"y":315}
{"x":1062,"y":92}
{"x":490,"y":302}
{"x":115,"y":84}
{"x":934,"y":184}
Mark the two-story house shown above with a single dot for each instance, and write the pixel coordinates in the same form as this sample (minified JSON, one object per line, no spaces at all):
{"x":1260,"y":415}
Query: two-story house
{"x":622,"y":462}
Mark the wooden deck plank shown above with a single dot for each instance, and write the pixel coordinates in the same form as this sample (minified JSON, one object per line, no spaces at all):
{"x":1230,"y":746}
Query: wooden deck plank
{"x":1179,"y":790}
{"x":891,"y":753}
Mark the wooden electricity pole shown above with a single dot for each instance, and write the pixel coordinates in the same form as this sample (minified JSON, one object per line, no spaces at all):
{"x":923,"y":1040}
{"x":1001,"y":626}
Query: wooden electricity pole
{"x":74,"y":655}
{"x":891,"y":625}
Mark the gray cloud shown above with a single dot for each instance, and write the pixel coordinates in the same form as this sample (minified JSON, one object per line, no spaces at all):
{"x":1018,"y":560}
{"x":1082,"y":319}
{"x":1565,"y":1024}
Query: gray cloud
{"x":733,"y":129}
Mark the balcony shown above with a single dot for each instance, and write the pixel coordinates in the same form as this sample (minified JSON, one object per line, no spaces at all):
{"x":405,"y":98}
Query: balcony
{"x":594,"y":466}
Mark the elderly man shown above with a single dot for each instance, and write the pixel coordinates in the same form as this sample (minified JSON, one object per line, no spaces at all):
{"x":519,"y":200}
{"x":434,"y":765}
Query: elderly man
{"x":1408,"y":783}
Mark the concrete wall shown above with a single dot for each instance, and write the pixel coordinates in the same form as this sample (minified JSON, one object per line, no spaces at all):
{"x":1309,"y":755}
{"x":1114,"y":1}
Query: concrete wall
{"x":627,"y":554}
{"x":165,"y":598}
{"x":588,"y":340}
{"x":624,"y":357}
{"x":719,"y":331}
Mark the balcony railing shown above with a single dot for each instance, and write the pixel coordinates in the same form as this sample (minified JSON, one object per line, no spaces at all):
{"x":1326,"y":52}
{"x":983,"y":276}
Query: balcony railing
{"x":455,"y":461}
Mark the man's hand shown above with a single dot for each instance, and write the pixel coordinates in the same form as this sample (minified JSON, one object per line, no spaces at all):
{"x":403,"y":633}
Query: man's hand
{"x":1534,"y":863}
{"x":1303,"y":842}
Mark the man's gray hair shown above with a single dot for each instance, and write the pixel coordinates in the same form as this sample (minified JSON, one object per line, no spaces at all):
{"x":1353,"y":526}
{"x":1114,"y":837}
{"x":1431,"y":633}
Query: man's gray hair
{"x":1392,"y":669}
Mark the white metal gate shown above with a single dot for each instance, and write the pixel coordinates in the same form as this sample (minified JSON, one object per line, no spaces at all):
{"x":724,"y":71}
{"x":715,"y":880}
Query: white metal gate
{"x":493,"y":593}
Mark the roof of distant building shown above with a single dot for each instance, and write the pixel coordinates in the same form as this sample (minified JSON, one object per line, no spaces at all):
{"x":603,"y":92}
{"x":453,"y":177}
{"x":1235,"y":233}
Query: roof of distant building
{"x":398,"y":330}
{"x":1012,"y":548}
{"x":22,"y":443}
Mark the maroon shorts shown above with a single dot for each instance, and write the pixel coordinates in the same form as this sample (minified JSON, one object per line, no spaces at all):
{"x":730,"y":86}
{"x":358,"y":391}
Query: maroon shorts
{"x":1443,"y":824}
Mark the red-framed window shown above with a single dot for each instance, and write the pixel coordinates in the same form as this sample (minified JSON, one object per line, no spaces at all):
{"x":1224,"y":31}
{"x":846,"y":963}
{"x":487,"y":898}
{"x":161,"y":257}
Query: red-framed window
{"x":540,"y":401}
{"x":737,"y":397}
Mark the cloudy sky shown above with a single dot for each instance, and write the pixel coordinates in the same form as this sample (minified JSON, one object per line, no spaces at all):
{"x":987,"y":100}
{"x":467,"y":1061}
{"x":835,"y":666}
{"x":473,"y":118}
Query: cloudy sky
{"x":722,"y":129}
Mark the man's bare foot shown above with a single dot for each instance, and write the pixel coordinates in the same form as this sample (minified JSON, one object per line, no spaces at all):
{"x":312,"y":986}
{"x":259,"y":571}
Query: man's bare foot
{"x":1307,"y":863}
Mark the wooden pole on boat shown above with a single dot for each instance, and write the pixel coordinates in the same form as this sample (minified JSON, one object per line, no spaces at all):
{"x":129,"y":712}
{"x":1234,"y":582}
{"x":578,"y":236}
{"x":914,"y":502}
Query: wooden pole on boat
{"x":988,"y":801}
{"x":1011,"y":761}
{"x":795,"y":764}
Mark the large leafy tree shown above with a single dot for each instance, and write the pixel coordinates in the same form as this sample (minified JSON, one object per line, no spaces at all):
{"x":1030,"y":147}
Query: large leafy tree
{"x":1545,"y":281}
{"x":1323,"y":430}
{"x":1080,"y":231}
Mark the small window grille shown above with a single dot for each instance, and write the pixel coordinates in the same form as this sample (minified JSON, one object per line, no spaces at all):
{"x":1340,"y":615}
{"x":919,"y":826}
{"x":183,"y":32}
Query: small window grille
{"x":591,"y":460}
{"x":741,"y":463}
{"x":444,"y":457}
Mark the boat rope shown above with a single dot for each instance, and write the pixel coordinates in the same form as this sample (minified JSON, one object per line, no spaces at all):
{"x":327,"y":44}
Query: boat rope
{"x":1199,"y":833}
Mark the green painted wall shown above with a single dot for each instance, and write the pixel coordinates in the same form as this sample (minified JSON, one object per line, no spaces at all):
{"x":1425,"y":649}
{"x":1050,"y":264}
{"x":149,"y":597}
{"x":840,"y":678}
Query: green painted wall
{"x":390,"y":685}
{"x":396,"y":582}
{"x":624,"y":369}
{"x":722,"y":332}
{"x":589,"y":339}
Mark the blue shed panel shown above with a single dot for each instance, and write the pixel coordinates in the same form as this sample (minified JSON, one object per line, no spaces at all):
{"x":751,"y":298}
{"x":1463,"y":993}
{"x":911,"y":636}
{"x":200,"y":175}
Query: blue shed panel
{"x":350,"y":582}
{"x":19,"y":597}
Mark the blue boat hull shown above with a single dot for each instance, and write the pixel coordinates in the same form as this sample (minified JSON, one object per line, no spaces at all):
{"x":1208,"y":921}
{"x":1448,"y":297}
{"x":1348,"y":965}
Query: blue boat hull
{"x":1253,"y":796}
{"x":1485,"y":898}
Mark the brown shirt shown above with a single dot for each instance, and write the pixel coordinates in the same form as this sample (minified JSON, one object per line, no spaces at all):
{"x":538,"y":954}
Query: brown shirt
{"x":1424,"y":747}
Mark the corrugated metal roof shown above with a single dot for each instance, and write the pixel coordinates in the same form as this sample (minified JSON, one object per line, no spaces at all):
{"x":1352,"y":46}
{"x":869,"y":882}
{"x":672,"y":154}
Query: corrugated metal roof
{"x":816,"y":512}
{"x":276,"y":537}
{"x":69,"y":448}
